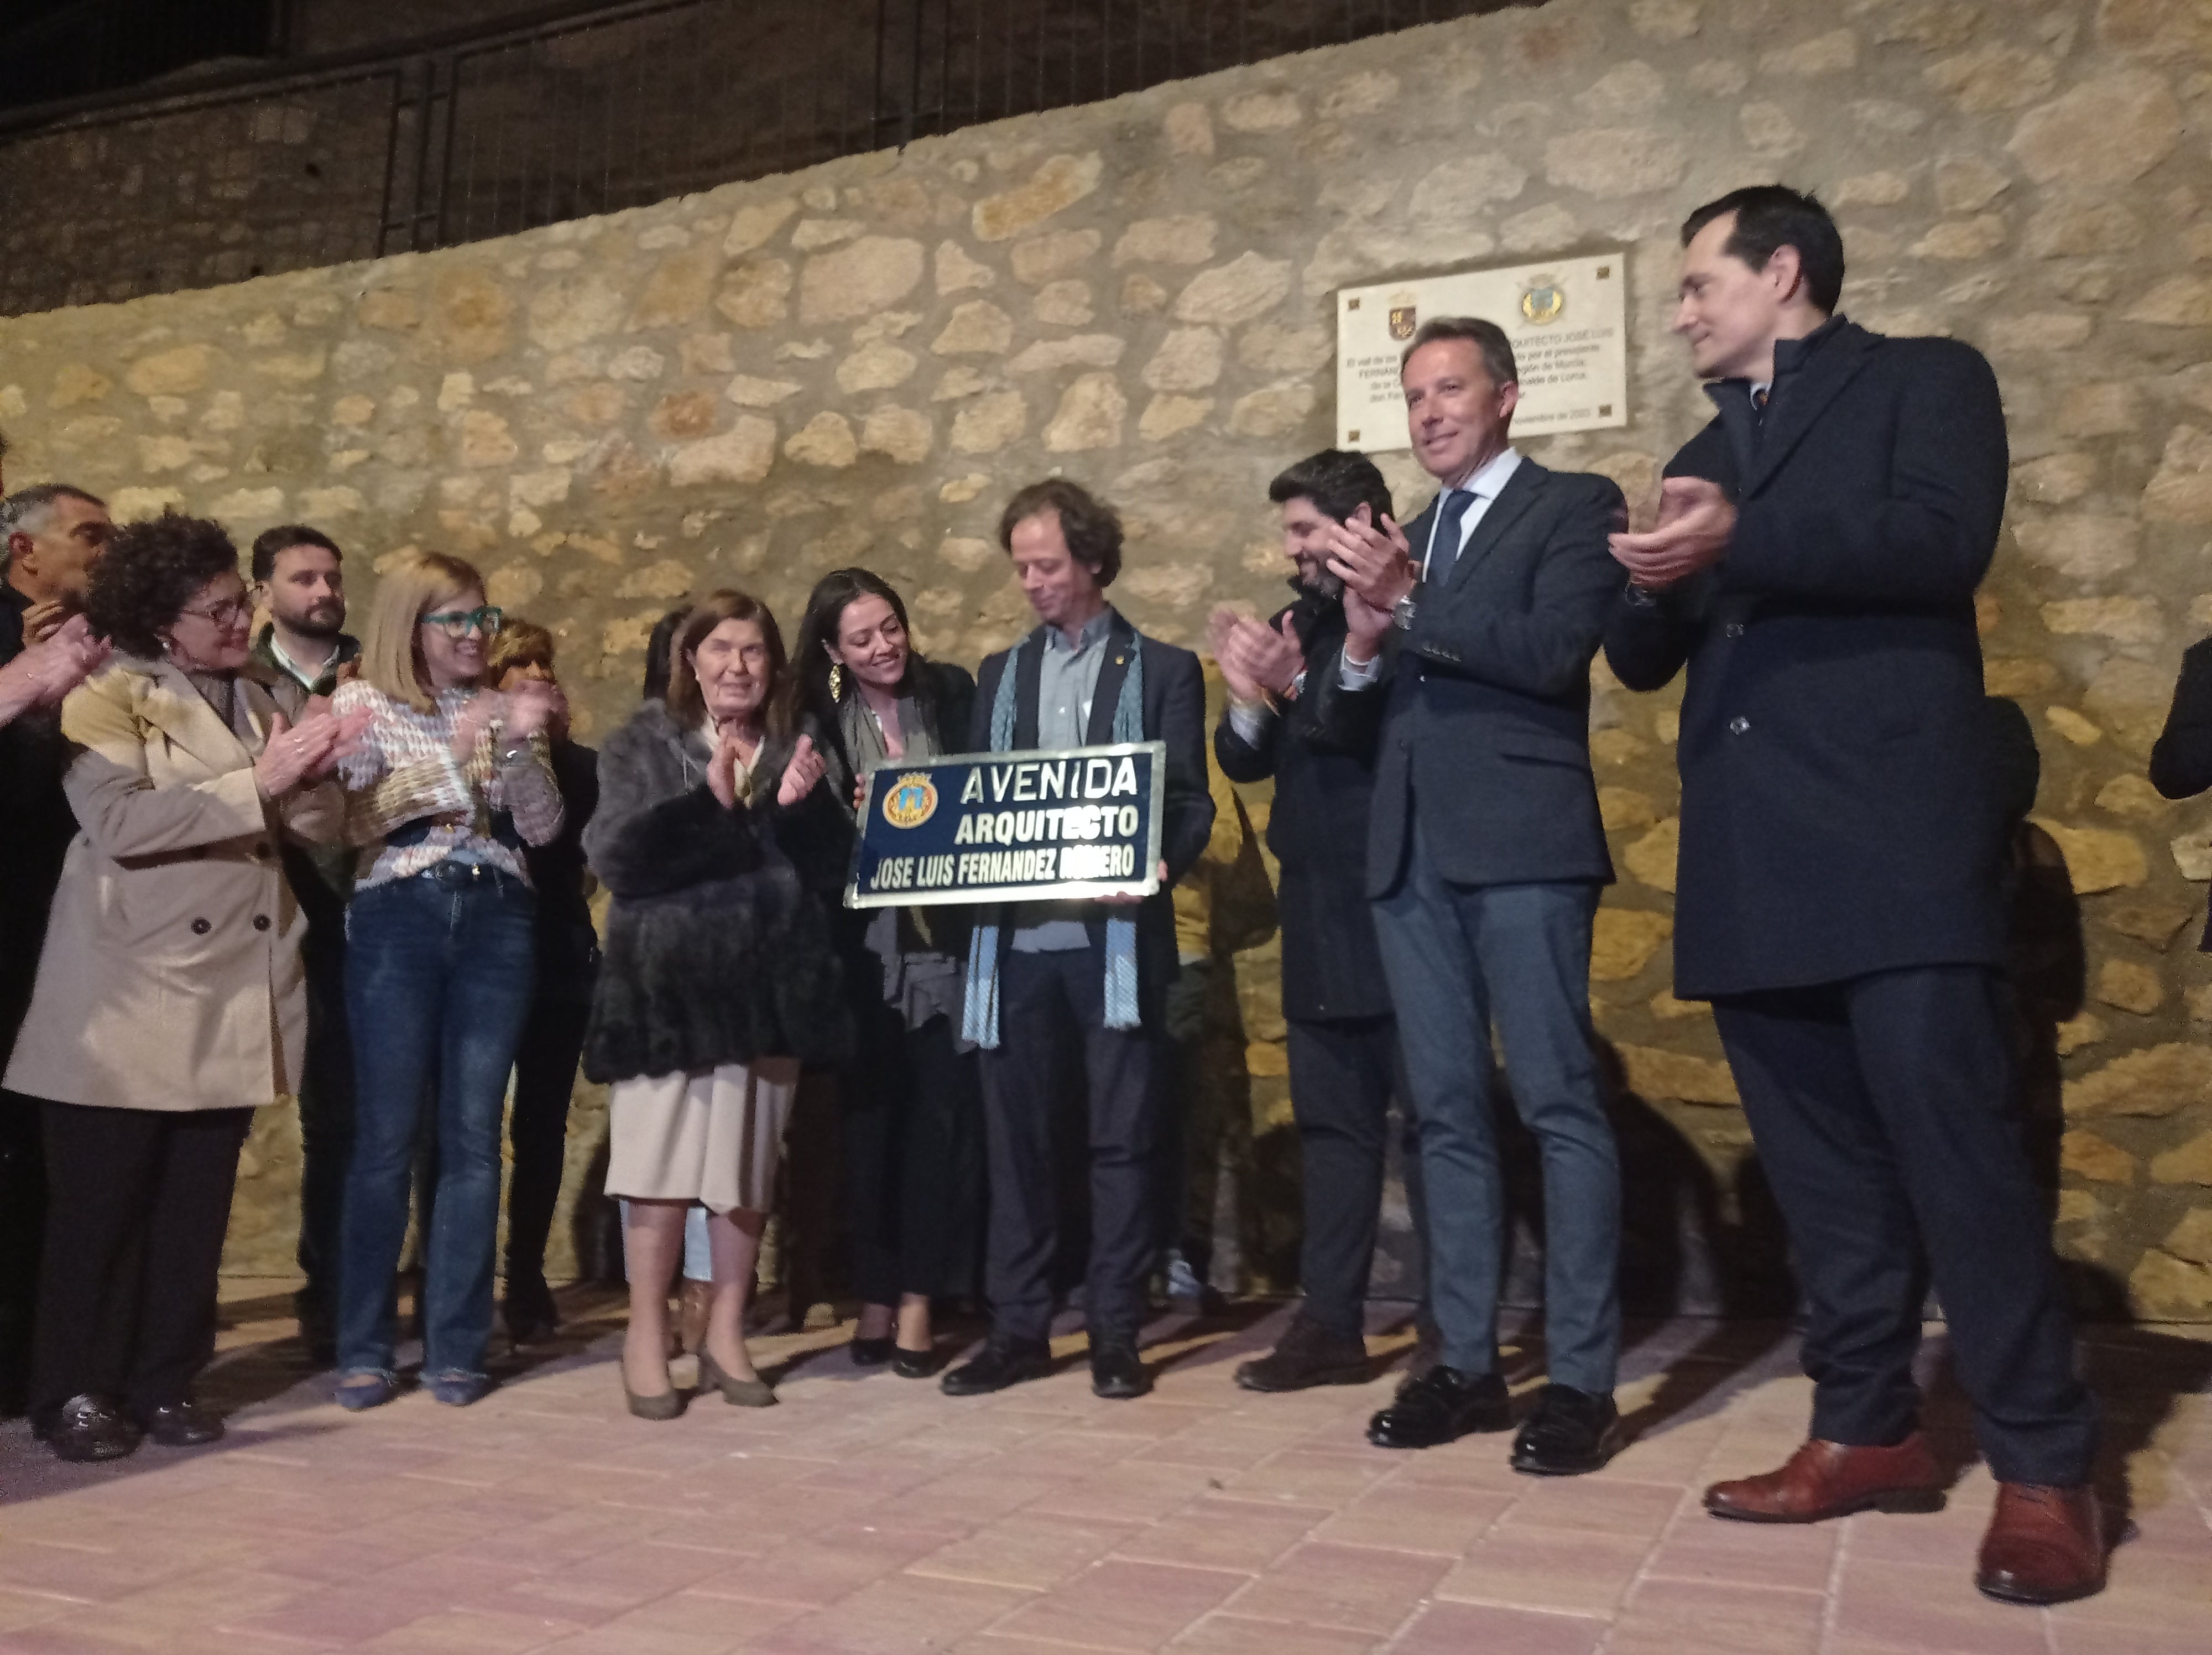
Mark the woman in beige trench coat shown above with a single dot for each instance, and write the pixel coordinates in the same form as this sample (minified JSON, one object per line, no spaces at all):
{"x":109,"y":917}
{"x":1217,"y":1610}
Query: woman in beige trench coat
{"x":170,"y":1002}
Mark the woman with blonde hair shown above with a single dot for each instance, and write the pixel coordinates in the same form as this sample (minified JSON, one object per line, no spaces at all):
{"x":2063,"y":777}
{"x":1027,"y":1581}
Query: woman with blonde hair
{"x":450,"y":782}
{"x":719,"y":979}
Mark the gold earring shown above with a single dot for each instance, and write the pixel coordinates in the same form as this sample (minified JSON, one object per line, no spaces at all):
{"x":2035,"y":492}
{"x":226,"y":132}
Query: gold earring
{"x":836,"y":680}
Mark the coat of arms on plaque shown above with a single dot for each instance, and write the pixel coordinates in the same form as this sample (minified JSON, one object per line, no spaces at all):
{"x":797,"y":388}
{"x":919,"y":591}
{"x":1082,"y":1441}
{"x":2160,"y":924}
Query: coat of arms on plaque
{"x":1543,"y":299}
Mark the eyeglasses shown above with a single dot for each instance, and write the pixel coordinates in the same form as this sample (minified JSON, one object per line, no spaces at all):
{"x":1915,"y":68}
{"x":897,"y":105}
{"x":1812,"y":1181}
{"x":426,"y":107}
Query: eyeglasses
{"x":224,"y":615}
{"x":460,"y":622}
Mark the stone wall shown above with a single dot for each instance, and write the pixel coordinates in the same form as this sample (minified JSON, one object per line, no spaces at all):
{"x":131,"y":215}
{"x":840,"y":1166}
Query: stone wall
{"x":857,"y":362}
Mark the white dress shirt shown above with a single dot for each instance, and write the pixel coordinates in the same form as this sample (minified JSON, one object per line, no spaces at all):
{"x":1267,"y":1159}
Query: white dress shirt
{"x":1487,"y":483}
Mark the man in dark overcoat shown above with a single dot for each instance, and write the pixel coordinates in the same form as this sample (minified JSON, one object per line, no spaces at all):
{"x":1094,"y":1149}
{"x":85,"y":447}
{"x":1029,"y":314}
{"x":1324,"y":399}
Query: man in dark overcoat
{"x":1840,"y":896}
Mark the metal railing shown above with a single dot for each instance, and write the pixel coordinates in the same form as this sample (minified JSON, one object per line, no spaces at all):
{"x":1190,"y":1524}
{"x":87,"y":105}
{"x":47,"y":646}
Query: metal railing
{"x":569,"y":112}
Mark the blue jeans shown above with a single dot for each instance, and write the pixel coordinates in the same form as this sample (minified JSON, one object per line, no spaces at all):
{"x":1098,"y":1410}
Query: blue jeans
{"x":439,"y":978}
{"x":1456,"y":957}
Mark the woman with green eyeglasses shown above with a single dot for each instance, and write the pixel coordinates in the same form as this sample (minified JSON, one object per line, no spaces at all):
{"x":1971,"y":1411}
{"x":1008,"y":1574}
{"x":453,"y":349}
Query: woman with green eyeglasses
{"x":449,"y":783}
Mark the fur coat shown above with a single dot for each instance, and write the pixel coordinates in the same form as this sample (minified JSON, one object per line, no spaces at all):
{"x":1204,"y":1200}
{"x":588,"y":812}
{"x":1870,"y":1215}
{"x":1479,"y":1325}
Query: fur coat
{"x":718,"y":940}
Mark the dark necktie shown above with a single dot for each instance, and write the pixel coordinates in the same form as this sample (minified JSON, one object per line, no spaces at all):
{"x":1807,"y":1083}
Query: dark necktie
{"x":1759,"y":396}
{"x":1443,"y":545}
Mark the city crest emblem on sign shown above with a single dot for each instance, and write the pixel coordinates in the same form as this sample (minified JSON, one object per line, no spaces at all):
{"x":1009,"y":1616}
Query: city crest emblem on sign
{"x":911,"y":802}
{"x":1543,"y":299}
{"x":1403,"y":319}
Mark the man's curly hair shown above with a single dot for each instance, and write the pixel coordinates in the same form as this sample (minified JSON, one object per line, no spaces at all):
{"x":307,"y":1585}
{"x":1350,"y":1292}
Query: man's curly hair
{"x":150,"y":572}
{"x":1091,"y":528}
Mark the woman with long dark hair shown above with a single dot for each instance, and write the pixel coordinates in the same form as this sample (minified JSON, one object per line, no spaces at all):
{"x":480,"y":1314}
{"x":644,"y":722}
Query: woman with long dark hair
{"x":910,"y":1099}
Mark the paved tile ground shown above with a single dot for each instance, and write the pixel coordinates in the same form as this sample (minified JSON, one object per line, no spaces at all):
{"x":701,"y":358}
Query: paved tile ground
{"x":869,"y":1515}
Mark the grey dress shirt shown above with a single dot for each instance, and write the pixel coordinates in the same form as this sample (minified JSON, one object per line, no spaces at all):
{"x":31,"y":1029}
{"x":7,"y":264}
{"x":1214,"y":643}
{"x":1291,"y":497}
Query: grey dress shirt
{"x":1067,"y":681}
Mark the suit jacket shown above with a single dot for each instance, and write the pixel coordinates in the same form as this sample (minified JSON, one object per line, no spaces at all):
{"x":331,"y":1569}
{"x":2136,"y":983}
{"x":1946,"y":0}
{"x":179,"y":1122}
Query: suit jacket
{"x":2181,"y":761}
{"x":1482,"y":718}
{"x":171,"y":978}
{"x":1174,"y":713}
{"x":1317,"y":830}
{"x":33,"y":756}
{"x":1844,"y":797}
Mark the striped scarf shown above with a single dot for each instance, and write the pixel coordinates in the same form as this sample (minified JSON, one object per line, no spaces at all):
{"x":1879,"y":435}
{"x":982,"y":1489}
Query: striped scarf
{"x":980,"y":1017}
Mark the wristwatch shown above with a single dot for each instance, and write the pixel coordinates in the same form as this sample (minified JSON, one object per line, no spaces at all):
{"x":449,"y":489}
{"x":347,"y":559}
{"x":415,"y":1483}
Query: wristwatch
{"x":1402,"y":612}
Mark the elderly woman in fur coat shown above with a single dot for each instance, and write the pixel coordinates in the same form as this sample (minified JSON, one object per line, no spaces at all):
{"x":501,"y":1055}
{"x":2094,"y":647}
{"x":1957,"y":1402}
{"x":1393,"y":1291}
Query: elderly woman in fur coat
{"x":720,"y":977}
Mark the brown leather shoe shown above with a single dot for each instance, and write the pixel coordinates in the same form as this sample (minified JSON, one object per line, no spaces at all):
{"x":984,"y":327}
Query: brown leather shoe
{"x":2045,"y":1545}
{"x":694,"y":1301}
{"x":1832,"y":1479}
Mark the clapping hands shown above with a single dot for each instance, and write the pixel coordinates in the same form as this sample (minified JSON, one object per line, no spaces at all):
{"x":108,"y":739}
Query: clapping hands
{"x":533,"y":705}
{"x":1696,"y":523}
{"x":1375,"y":564}
{"x":49,"y":669}
{"x":1257,"y":660}
{"x":801,"y":775}
{"x":306,"y":751}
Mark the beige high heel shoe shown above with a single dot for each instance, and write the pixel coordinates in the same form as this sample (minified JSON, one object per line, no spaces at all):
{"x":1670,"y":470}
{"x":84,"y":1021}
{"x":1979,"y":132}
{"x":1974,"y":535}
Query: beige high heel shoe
{"x":739,"y":1393}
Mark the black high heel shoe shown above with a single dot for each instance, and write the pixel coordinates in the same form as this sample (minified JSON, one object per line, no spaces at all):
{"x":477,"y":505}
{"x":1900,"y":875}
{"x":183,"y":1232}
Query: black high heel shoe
{"x":872,"y":1353}
{"x":913,"y":1364}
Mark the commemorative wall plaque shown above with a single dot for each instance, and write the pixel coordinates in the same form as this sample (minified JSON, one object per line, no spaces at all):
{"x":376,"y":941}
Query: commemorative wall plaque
{"x":1084,"y":822}
{"x":1566,"y":318}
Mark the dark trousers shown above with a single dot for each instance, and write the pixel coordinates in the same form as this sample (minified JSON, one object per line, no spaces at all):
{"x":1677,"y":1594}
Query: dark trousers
{"x":1046,"y":1002}
{"x":1885,"y":1116}
{"x":22,"y":1222}
{"x":1189,"y":1125}
{"x":140,"y":1200}
{"x":1459,"y":956}
{"x":538,"y":1122}
{"x":1343,"y":1075}
{"x":326,"y":1111}
{"x":912,"y":1108}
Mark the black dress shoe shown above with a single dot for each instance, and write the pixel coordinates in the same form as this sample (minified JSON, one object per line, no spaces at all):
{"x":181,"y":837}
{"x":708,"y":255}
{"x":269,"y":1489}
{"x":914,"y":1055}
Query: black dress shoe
{"x":87,"y":1428}
{"x":182,"y":1424}
{"x":1004,"y":1362}
{"x":1443,"y":1403}
{"x":872,"y":1353}
{"x":1117,"y":1373}
{"x":529,"y":1310}
{"x":1568,"y":1432}
{"x":1310,"y":1354}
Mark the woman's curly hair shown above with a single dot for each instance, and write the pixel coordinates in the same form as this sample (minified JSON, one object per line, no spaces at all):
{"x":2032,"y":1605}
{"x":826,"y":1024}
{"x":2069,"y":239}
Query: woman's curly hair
{"x":148,"y":573}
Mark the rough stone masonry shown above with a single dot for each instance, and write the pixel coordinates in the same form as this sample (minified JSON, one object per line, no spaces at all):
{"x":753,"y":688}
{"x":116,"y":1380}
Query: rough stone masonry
{"x":856,"y":363}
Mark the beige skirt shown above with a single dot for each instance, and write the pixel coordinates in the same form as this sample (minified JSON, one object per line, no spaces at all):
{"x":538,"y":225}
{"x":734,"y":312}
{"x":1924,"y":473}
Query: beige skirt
{"x":712,"y":1137}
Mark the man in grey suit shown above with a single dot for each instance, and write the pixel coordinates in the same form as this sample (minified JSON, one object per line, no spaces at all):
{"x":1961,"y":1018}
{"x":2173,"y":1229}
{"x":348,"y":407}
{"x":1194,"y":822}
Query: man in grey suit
{"x":1469,"y":638}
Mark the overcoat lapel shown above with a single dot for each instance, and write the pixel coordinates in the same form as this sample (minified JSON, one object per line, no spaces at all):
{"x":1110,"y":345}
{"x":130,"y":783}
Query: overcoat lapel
{"x":1833,"y":365}
{"x":177,"y":709}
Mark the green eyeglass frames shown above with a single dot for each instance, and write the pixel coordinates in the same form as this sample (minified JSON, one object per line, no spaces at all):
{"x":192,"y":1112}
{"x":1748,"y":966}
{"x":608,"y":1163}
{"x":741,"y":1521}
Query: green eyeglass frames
{"x":460,"y":622}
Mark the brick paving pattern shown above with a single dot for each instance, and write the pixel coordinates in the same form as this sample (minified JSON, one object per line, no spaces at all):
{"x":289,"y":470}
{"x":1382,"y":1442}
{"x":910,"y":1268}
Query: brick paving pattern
{"x":869,"y":1515}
